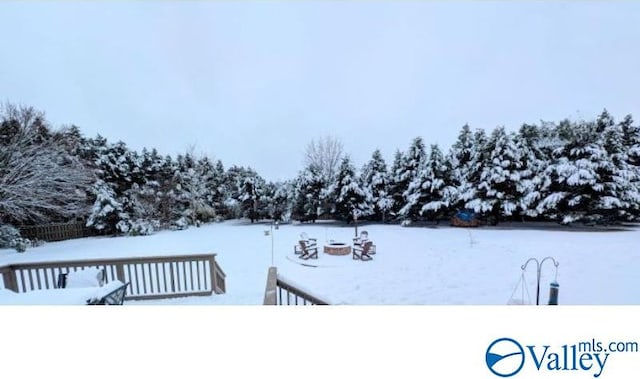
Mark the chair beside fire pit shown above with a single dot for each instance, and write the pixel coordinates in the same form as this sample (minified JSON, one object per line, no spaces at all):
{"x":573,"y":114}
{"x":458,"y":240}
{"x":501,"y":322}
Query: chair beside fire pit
{"x":310,"y":243}
{"x":363,"y":251}
{"x":358,"y":243}
{"x":308,"y":251}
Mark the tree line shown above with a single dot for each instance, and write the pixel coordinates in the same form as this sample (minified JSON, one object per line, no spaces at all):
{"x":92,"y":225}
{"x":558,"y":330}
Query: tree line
{"x":570,"y":171}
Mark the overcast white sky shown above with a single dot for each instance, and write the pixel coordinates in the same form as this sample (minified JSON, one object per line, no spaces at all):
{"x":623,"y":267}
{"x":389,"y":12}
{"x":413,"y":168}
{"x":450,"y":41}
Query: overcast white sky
{"x":253,"y":83}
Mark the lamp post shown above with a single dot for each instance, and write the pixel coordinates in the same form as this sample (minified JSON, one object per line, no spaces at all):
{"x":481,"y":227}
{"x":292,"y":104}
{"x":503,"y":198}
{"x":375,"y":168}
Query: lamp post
{"x":355,"y":220}
{"x":270,"y":232}
{"x":539,"y":270}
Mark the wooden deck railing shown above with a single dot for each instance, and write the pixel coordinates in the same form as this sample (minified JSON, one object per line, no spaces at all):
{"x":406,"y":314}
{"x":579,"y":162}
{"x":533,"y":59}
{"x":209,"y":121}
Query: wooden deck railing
{"x":158,"y":277}
{"x":280,"y":292}
{"x":57,"y":232}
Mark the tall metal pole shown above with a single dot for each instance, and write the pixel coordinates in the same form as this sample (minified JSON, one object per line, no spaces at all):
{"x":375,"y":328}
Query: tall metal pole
{"x":271,"y":244}
{"x":355,"y":219}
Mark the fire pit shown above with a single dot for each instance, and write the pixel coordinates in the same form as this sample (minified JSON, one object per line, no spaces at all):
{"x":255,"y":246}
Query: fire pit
{"x":337,"y":248}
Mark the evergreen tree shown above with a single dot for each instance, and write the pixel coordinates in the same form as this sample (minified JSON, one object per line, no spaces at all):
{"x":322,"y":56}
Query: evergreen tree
{"x":463,"y":159}
{"x":616,"y":189}
{"x":245,"y":192}
{"x":277,"y":201}
{"x":571,"y":184}
{"x":395,"y":186}
{"x":166,"y":198}
{"x":351,"y":198}
{"x":533,"y":162}
{"x":251,"y":196}
{"x":497,"y":193}
{"x":376,"y":180}
{"x":217,"y":190}
{"x":182,"y":214}
{"x":114,"y":201}
{"x":106,"y":210}
{"x":308,"y":194}
{"x":436,"y":185}
{"x":631,"y":144}
{"x":410,"y":166}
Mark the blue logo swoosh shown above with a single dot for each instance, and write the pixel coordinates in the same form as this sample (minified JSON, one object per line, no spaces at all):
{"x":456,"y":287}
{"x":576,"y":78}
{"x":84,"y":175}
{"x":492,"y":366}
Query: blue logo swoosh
{"x":492,"y":358}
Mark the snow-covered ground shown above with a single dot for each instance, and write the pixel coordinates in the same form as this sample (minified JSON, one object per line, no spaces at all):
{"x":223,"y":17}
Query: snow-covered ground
{"x":414,"y":265}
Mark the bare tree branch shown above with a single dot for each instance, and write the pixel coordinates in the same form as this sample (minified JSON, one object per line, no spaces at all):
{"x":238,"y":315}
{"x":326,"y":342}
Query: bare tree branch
{"x":324,"y":155}
{"x":38,"y":179}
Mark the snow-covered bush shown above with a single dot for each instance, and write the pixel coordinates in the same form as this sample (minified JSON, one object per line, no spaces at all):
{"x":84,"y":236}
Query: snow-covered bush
{"x":205,"y":212}
{"x":20,"y":244}
{"x":10,"y":239}
{"x":180,"y":224}
{"x":7,"y":234}
{"x":138,"y":227}
{"x":106,"y":208}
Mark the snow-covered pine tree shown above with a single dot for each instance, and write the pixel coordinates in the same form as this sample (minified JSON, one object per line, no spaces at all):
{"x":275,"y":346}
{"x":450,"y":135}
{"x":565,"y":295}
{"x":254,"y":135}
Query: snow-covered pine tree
{"x":251,"y":194}
{"x":182,"y":214}
{"x":114,"y":165}
{"x":572,"y":187}
{"x":218,"y":191}
{"x":496,"y":193}
{"x":309,"y":186}
{"x":134,"y":195}
{"x":139,"y":208}
{"x":414,"y":199}
{"x":375,"y":178}
{"x":193,"y":179}
{"x":166,"y":196}
{"x":395,"y":185}
{"x":232,"y":183}
{"x":411,"y":165}
{"x":351,"y":198}
{"x":71,"y":139}
{"x":533,"y":162}
{"x":481,"y":157}
{"x":203,"y":191}
{"x":148,"y":193}
{"x":631,"y":143}
{"x":107,"y":209}
{"x":617,"y":192}
{"x":278,"y":201}
{"x":435,"y":184}
{"x":462,"y":159}
{"x":151,"y":164}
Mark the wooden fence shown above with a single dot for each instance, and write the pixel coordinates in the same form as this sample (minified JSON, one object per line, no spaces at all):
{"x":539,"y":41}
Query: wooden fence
{"x":280,"y":292}
{"x":57,"y":232}
{"x":159,"y":277}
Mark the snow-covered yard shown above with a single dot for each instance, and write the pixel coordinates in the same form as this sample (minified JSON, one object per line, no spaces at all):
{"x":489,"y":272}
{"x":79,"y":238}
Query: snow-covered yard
{"x":414,"y":265}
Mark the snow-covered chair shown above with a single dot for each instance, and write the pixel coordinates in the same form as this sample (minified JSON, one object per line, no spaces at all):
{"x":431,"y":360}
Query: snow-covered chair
{"x":310,"y":243}
{"x":111,"y":293}
{"x":309,"y":251}
{"x":363,"y":252}
{"x":363,"y":238}
{"x":89,"y":277}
